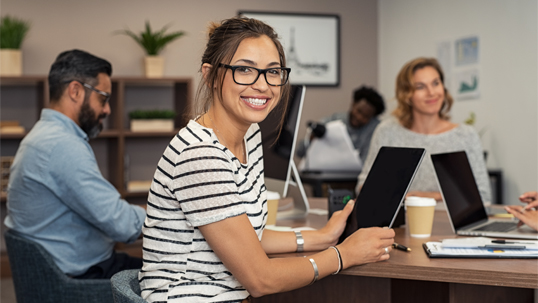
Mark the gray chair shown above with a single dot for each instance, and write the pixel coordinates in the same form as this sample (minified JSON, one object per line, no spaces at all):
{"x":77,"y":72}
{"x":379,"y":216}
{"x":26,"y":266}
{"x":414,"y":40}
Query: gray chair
{"x":38,"y":279}
{"x":125,"y":287}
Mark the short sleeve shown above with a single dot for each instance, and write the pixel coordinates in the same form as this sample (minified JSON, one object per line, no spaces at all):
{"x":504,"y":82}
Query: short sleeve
{"x":205,"y":185}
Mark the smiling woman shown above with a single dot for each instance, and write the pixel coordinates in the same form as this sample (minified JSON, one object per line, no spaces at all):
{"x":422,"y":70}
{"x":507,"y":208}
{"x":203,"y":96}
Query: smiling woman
{"x":422,"y":120}
{"x":204,"y":236}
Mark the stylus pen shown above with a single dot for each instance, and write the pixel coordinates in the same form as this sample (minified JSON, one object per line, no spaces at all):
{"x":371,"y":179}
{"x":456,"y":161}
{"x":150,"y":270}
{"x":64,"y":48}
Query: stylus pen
{"x":400,"y":247}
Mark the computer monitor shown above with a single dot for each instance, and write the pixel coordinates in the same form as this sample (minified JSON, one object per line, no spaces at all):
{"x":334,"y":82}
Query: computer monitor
{"x":281,"y":174}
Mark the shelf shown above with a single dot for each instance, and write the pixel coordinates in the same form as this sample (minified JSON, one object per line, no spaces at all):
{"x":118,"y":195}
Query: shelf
{"x":116,"y":140}
{"x":151,"y":134}
{"x":12,"y":136}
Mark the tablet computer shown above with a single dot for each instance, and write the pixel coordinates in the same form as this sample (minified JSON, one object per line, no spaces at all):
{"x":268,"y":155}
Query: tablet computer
{"x":384,"y":189}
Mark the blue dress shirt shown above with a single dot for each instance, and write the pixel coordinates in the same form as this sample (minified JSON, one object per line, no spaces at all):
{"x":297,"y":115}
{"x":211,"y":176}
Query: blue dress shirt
{"x":58,"y":197}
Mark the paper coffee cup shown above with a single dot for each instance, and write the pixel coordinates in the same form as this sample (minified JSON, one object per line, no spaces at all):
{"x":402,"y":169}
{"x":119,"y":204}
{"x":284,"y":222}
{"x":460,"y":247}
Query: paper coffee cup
{"x":420,"y":213}
{"x":272,"y":207}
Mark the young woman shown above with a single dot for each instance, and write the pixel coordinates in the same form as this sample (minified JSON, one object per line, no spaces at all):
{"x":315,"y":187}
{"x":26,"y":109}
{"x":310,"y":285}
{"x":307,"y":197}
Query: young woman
{"x":422,"y":120}
{"x":204,"y":237}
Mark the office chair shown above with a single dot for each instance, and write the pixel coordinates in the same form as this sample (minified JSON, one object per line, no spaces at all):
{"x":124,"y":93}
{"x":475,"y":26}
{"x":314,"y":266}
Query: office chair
{"x":125,"y":287}
{"x":38,"y":279}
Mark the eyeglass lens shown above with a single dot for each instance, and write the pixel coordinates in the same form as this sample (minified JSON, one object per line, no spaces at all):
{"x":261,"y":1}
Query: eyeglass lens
{"x":247,"y":75}
{"x":106,"y":95}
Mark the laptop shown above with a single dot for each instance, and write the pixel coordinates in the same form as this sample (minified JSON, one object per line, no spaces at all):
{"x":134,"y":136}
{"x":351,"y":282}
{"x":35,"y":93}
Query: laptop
{"x":384,"y":189}
{"x":466,"y":212}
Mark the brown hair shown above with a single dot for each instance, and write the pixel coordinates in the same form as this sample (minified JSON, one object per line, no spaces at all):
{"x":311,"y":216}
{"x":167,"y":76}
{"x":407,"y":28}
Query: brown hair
{"x":224,"y":39}
{"x":405,"y":90}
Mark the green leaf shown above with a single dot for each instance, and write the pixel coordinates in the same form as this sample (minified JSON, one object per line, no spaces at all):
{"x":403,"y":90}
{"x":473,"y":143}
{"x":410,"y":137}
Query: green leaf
{"x":12,"y":32}
{"x":153,"y":42}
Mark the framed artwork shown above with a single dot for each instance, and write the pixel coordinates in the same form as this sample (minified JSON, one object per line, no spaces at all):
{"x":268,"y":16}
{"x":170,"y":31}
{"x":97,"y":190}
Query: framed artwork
{"x":311,"y":43}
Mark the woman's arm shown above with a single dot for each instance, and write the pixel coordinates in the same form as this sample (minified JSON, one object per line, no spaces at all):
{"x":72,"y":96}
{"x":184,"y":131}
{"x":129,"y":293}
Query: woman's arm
{"x":274,"y":242}
{"x":236,"y":244}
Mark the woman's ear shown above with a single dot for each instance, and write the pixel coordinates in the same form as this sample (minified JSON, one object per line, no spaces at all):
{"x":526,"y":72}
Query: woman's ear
{"x":206,"y":69}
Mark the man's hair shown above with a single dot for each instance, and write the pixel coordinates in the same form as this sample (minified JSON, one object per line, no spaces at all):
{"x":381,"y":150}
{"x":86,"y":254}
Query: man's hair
{"x":75,"y":65}
{"x":371,"y":96}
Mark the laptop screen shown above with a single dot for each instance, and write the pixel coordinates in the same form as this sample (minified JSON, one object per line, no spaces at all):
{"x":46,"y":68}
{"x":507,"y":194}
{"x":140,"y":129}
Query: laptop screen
{"x":459,"y":188}
{"x":384,"y":188}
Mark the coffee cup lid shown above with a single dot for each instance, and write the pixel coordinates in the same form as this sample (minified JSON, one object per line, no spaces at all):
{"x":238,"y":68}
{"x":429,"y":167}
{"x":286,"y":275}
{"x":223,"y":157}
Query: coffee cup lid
{"x":420,"y":201}
{"x":273,"y":195}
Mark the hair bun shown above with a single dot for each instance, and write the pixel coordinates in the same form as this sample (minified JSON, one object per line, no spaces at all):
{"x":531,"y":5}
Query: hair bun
{"x":211,"y":28}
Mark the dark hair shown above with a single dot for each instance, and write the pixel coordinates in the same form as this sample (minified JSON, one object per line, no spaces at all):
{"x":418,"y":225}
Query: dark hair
{"x":75,"y":65}
{"x":405,"y":90}
{"x":371,"y":96}
{"x":224,"y":39}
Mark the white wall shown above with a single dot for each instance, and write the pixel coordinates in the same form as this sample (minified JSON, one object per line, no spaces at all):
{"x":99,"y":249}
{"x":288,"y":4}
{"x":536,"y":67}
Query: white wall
{"x":58,"y":25}
{"x":508,"y":50}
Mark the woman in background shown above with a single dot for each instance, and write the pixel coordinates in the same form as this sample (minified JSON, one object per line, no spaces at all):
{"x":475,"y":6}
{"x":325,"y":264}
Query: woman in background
{"x":421,"y":120}
{"x":204,"y":237}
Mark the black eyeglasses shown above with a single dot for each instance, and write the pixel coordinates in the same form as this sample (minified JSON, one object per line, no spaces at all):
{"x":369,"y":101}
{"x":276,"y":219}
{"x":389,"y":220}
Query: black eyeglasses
{"x":100,"y":92}
{"x":247,"y":75}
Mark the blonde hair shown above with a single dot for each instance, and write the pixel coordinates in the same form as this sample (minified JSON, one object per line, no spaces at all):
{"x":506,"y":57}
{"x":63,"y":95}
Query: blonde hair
{"x":405,"y":90}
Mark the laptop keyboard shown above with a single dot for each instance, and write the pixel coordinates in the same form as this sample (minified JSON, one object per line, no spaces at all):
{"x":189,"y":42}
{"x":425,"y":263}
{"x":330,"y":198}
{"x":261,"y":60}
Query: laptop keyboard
{"x":498,"y":226}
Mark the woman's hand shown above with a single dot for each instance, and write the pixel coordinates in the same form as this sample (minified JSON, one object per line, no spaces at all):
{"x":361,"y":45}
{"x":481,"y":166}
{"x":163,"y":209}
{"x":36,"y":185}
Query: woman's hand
{"x":367,"y":245}
{"x":336,"y":224}
{"x":529,"y":217}
{"x":531,"y":198}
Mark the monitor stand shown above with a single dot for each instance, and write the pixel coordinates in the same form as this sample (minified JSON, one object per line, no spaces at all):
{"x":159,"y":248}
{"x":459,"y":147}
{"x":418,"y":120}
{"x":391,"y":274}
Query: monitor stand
{"x":295,"y":191}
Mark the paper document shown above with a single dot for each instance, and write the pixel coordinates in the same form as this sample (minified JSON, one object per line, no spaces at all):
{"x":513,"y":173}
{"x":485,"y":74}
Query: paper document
{"x":437,"y":250}
{"x":333,"y":152}
{"x":483,"y":242}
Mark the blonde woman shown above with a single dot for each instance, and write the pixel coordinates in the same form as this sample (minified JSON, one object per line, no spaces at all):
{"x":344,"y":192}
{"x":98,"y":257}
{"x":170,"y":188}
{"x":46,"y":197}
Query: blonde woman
{"x":422,"y":119}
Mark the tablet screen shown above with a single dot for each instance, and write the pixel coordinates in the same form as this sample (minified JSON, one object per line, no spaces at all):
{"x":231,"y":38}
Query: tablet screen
{"x":384,"y":189}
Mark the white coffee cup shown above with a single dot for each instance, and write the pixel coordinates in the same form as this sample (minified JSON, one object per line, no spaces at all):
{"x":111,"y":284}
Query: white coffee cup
{"x":272,"y":207}
{"x":420,"y":212}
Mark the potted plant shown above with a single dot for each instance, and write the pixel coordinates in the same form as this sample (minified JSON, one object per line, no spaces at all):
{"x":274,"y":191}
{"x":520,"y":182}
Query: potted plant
{"x":153,"y":43}
{"x":152,"y":120}
{"x":12,"y":33}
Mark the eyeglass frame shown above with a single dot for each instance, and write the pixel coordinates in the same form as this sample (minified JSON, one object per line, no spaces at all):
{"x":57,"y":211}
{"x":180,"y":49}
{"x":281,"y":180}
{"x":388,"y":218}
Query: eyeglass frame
{"x":100,"y":92}
{"x":260,"y":71}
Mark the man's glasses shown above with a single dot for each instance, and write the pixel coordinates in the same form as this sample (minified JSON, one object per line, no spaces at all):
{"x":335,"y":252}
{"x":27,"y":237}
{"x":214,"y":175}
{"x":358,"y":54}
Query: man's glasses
{"x":106,"y":95}
{"x":246,"y":75}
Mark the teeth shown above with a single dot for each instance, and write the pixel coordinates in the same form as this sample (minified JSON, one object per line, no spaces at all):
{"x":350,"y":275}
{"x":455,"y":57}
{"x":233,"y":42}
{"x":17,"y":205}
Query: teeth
{"x":256,"y":101}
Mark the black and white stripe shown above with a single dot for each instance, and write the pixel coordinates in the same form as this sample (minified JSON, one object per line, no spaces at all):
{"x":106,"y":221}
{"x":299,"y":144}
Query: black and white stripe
{"x":198,"y":181}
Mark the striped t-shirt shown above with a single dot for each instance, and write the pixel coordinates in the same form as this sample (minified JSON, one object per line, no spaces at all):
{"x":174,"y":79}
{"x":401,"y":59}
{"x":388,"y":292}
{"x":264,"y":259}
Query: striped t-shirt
{"x":198,"y":181}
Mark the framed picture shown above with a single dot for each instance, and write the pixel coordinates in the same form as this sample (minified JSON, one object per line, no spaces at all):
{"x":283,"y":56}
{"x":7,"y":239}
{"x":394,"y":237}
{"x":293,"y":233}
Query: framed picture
{"x":311,"y":43}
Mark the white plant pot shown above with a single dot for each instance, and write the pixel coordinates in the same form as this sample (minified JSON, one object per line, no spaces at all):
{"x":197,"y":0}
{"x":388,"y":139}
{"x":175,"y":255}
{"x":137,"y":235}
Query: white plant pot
{"x":152,"y":125}
{"x":154,"y":66}
{"x":10,"y":62}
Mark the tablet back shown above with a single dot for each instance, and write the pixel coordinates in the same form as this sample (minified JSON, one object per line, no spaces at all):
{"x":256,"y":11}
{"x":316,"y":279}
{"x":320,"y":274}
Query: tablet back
{"x":384,"y":189}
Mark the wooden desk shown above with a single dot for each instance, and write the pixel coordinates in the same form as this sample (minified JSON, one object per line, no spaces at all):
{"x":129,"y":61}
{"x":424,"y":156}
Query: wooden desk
{"x":413,"y":277}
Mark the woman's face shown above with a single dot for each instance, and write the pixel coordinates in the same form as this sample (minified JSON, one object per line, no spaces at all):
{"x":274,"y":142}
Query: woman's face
{"x":429,"y":93}
{"x":247,"y":104}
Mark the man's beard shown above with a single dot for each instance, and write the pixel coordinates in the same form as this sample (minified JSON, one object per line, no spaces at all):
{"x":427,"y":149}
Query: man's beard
{"x":89,"y":124}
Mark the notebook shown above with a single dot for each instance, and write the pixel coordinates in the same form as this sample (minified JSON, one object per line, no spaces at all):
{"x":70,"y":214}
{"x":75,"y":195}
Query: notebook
{"x":466,"y":212}
{"x":384,"y":189}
